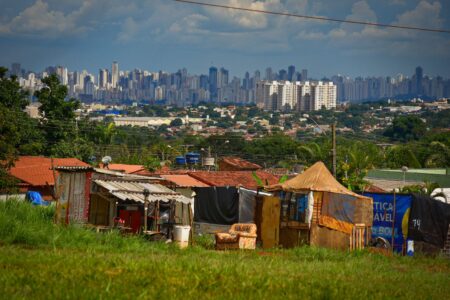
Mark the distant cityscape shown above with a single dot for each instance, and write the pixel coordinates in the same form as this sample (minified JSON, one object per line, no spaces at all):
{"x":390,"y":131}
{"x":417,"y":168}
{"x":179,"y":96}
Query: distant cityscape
{"x":289,"y":89}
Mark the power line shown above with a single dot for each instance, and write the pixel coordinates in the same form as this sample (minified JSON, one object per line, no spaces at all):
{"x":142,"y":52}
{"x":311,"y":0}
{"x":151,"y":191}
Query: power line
{"x":316,"y":17}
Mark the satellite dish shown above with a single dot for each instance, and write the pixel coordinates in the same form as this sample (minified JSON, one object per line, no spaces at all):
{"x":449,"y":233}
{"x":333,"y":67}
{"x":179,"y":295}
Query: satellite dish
{"x":106,"y":160}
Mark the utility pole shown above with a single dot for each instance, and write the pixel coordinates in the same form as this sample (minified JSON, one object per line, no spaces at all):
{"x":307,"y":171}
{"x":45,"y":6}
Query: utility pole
{"x":146,"y":194}
{"x":333,"y":129}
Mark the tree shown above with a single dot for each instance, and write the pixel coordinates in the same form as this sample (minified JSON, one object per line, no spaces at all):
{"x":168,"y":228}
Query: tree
{"x":176,"y":122}
{"x":400,"y":155}
{"x":59,"y":123}
{"x":18,"y":132}
{"x":438,"y":155}
{"x":406,"y":128}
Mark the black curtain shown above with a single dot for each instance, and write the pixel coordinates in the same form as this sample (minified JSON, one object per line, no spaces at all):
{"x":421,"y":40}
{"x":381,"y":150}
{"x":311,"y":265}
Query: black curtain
{"x":428,"y":220}
{"x":216,"y":205}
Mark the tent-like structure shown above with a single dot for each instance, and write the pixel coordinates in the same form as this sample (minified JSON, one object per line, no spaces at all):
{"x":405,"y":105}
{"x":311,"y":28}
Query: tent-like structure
{"x":316,"y":209}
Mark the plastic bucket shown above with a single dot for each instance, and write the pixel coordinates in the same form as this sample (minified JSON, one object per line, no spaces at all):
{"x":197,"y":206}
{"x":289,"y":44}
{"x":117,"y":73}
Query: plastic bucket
{"x":181,"y":233}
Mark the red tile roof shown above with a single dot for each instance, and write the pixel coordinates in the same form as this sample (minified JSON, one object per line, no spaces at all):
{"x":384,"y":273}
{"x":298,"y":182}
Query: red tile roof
{"x":184,"y":180}
{"x":36,"y":170}
{"x":234,"y":178}
{"x":128,"y":169}
{"x":240,"y":163}
{"x":374,"y":189}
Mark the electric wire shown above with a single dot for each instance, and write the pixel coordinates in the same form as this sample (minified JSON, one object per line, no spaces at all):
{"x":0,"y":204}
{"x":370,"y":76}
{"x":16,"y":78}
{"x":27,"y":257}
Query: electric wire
{"x":316,"y":18}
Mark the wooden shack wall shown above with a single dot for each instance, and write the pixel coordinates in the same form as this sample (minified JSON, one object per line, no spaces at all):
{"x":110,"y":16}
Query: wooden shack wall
{"x":324,"y":237}
{"x":99,"y":210}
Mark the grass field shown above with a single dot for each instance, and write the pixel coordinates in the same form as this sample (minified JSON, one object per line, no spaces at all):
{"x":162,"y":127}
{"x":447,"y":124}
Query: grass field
{"x":39,"y":260}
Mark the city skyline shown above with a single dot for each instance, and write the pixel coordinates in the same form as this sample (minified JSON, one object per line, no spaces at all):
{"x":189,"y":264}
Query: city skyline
{"x":165,"y":35}
{"x":284,"y":88}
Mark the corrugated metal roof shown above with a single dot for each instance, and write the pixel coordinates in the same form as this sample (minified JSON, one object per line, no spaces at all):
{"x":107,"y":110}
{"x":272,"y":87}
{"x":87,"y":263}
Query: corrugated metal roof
{"x":133,"y":191}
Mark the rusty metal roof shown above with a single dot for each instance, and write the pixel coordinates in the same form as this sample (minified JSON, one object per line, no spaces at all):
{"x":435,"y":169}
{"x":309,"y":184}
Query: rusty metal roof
{"x":134,"y":191}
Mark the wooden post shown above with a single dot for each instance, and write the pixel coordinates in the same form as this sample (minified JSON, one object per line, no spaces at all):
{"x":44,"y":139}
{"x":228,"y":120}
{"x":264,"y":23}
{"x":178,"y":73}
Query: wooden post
{"x":146,"y":194}
{"x":333,"y":128}
{"x":157,"y":216}
{"x":393,"y":222}
{"x":191,"y":223}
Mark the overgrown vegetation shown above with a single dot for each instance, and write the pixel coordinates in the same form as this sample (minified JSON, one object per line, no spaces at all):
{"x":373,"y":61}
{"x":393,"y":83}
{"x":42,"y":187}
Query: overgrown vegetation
{"x":41,"y":260}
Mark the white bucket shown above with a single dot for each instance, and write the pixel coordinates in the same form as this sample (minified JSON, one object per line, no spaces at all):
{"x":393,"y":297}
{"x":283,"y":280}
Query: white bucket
{"x":181,"y":233}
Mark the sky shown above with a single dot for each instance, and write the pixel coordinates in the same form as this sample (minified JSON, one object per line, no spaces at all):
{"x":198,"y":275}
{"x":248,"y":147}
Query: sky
{"x":167,"y":35}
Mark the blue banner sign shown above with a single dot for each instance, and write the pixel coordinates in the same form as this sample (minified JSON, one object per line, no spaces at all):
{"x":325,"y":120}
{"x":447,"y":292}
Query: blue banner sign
{"x":391,"y":212}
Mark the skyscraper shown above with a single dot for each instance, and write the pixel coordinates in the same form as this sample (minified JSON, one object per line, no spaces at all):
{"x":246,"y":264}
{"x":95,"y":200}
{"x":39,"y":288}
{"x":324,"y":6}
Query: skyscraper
{"x":419,"y":80}
{"x":115,"y":74}
{"x":16,"y":69}
{"x":304,"y":75}
{"x":269,"y":74}
{"x":102,"y":78}
{"x":291,"y":72}
{"x":213,"y":82}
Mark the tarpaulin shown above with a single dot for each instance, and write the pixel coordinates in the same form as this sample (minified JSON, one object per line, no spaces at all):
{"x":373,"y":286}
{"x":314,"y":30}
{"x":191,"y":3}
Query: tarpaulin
{"x":332,"y":223}
{"x":247,"y":204}
{"x":429,"y":220}
{"x":391,"y":211}
{"x":216,"y":205}
{"x":339,"y":206}
{"x":35,"y":198}
{"x":310,"y":209}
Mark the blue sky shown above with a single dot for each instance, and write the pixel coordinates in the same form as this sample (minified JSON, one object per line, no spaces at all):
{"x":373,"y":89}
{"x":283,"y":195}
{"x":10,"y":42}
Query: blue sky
{"x":166,"y":35}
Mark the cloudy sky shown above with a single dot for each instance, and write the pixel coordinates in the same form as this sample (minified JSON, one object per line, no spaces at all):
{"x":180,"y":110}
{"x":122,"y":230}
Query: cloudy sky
{"x":167,"y":35}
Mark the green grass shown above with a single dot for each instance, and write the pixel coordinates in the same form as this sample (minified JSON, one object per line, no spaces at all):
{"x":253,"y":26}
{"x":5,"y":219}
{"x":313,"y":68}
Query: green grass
{"x":44,"y":261}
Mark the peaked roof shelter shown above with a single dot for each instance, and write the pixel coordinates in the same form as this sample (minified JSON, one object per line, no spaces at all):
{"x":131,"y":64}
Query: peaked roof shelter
{"x":315,"y":178}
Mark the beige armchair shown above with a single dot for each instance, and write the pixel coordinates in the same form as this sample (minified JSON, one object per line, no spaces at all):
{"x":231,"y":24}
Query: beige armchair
{"x":240,"y":236}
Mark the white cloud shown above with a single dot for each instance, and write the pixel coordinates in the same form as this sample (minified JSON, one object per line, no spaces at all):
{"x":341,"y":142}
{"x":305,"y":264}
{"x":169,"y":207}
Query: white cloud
{"x":425,"y":14}
{"x":128,"y":31}
{"x":38,"y":19}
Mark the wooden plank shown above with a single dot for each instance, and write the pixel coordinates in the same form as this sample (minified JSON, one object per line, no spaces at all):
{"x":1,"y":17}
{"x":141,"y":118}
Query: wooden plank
{"x":270,"y":222}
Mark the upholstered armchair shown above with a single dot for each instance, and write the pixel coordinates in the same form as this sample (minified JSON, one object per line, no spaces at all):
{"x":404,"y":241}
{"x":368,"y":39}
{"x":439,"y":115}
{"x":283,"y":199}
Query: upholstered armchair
{"x":240,"y":236}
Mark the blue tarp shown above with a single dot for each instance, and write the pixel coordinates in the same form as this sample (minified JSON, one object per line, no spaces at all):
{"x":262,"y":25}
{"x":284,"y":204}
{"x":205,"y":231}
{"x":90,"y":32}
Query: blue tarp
{"x":386,"y":216}
{"x":35,"y":198}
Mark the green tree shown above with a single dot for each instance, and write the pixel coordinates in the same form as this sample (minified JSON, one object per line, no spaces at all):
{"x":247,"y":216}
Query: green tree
{"x":18,"y":132}
{"x":401,"y":155}
{"x":176,"y":122}
{"x":406,"y":128}
{"x":438,"y":155}
{"x":58,"y":123}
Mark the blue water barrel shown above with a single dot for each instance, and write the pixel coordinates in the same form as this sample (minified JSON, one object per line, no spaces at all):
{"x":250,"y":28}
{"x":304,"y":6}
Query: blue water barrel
{"x":192,"y":158}
{"x":180,"y":160}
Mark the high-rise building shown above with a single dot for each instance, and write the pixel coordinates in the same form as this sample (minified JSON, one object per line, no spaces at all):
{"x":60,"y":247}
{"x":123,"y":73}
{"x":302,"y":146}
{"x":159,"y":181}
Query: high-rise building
{"x":304,"y":75}
{"x":291,"y":72}
{"x":222,"y":78}
{"x":103,"y":78}
{"x":16,"y":69}
{"x":282,"y":75}
{"x":213,"y":82}
{"x":62,"y":74}
{"x":269,"y":74}
{"x":303,"y":96}
{"x":115,"y":75}
{"x":419,"y":81}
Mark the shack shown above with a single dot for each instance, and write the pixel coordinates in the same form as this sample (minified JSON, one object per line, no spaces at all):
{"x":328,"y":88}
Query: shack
{"x":72,"y":193}
{"x":127,"y":200}
{"x":314,"y":208}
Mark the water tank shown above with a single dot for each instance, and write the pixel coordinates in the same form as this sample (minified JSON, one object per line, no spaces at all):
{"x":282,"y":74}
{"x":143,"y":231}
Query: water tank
{"x":192,"y":158}
{"x":180,"y":160}
{"x":208,"y":161}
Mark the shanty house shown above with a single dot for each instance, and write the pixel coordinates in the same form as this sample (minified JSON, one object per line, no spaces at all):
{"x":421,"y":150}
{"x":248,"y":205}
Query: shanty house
{"x":314,"y":208}
{"x":125,"y":198}
{"x":35,"y":173}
